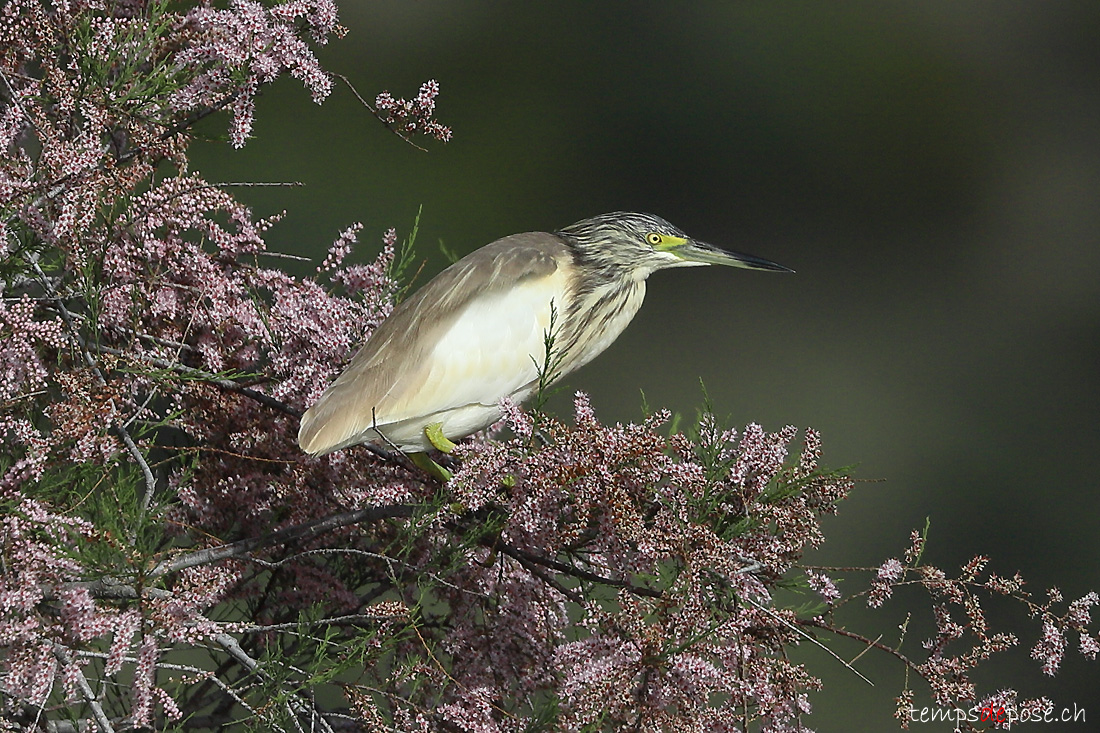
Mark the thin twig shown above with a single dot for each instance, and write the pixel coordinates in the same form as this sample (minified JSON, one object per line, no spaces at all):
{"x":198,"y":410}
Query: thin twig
{"x":333,"y":620}
{"x":119,"y":429}
{"x":239,"y":655}
{"x":203,"y":376}
{"x":259,"y":184}
{"x":133,"y":418}
{"x":397,"y":456}
{"x":552,"y":582}
{"x":864,"y":640}
{"x":812,"y":640}
{"x":206,"y":675}
{"x":390,"y":565}
{"x":15,"y":101}
{"x":374,"y":112}
{"x":300,"y":532}
{"x":101,"y":720}
{"x":865,"y":649}
{"x":561,"y":567}
{"x":387,"y":456}
{"x":282,"y":256}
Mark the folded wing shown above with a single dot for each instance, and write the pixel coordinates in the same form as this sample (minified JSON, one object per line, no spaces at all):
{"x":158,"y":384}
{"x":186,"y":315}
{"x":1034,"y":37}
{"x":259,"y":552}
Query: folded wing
{"x":471,"y":336}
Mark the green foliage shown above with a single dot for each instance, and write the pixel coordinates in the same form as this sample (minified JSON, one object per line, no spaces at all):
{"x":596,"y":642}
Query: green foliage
{"x":448,"y":253}
{"x":112,"y":498}
{"x":549,"y":371}
{"x":131,"y":73}
{"x":404,"y":257}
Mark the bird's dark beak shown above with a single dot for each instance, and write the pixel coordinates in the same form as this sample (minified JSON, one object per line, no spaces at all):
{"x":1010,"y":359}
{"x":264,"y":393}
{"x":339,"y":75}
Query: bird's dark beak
{"x":693,"y":251}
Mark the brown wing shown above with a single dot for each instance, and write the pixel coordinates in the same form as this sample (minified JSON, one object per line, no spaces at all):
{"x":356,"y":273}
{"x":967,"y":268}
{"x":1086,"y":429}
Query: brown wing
{"x":396,"y":359}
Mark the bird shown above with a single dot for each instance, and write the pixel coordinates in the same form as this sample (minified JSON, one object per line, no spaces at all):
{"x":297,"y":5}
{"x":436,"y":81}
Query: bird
{"x":437,"y":369}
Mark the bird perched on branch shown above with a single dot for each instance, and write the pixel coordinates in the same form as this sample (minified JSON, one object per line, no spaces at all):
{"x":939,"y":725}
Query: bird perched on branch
{"x":436,"y":370}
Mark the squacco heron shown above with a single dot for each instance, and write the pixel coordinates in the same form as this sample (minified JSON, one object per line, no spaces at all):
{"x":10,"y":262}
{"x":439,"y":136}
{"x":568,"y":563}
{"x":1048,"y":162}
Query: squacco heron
{"x":436,"y":370}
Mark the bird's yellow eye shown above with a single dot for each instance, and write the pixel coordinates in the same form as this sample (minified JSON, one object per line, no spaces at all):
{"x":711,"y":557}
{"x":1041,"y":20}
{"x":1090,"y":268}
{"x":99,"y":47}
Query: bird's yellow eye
{"x":653,"y":238}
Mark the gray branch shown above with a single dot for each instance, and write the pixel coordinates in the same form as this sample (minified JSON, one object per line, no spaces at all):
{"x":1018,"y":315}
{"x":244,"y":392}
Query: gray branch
{"x":116,"y":426}
{"x":204,"y":376}
{"x":300,"y":532}
{"x":101,"y":720}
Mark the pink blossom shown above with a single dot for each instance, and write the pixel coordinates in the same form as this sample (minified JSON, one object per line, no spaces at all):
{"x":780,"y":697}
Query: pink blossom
{"x":1050,"y":648}
{"x":823,"y":586}
{"x":412,"y":116}
{"x":1078,"y":615}
{"x":1089,"y":645}
{"x":261,"y":43}
{"x":882,"y":587}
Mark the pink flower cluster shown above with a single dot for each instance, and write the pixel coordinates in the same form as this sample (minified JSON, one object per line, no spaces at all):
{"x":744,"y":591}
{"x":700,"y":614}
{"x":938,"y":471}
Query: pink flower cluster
{"x":35,"y":539}
{"x":964,"y":638}
{"x":409,"y":116}
{"x":681,"y":529}
{"x":182,"y":292}
{"x":152,"y":362}
{"x":167,"y":550}
{"x":246,"y":45}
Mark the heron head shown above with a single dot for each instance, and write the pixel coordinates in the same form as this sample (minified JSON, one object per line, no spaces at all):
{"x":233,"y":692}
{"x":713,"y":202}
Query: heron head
{"x":638,"y":244}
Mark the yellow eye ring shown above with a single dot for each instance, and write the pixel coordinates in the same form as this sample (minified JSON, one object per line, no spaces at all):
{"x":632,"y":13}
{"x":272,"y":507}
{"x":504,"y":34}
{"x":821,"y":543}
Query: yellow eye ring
{"x":653,"y":239}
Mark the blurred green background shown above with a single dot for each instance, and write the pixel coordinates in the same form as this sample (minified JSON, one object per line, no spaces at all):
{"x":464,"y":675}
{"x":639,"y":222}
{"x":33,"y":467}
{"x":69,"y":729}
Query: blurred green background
{"x":930,"y":169}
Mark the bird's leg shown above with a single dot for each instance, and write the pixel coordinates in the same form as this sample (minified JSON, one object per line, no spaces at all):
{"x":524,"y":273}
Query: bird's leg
{"x":424,"y":462}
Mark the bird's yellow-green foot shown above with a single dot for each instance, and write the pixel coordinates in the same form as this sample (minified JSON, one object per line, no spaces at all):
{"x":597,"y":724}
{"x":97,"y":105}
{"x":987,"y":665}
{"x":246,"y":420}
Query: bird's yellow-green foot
{"x":434,"y":433}
{"x":439,"y":441}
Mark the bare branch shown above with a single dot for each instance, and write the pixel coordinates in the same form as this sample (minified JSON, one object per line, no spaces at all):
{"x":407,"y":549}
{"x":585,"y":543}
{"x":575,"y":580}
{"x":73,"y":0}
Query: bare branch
{"x":373,"y":111}
{"x":810,"y":638}
{"x":116,"y":426}
{"x":561,"y":567}
{"x":297,"y":533}
{"x":101,"y":720}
